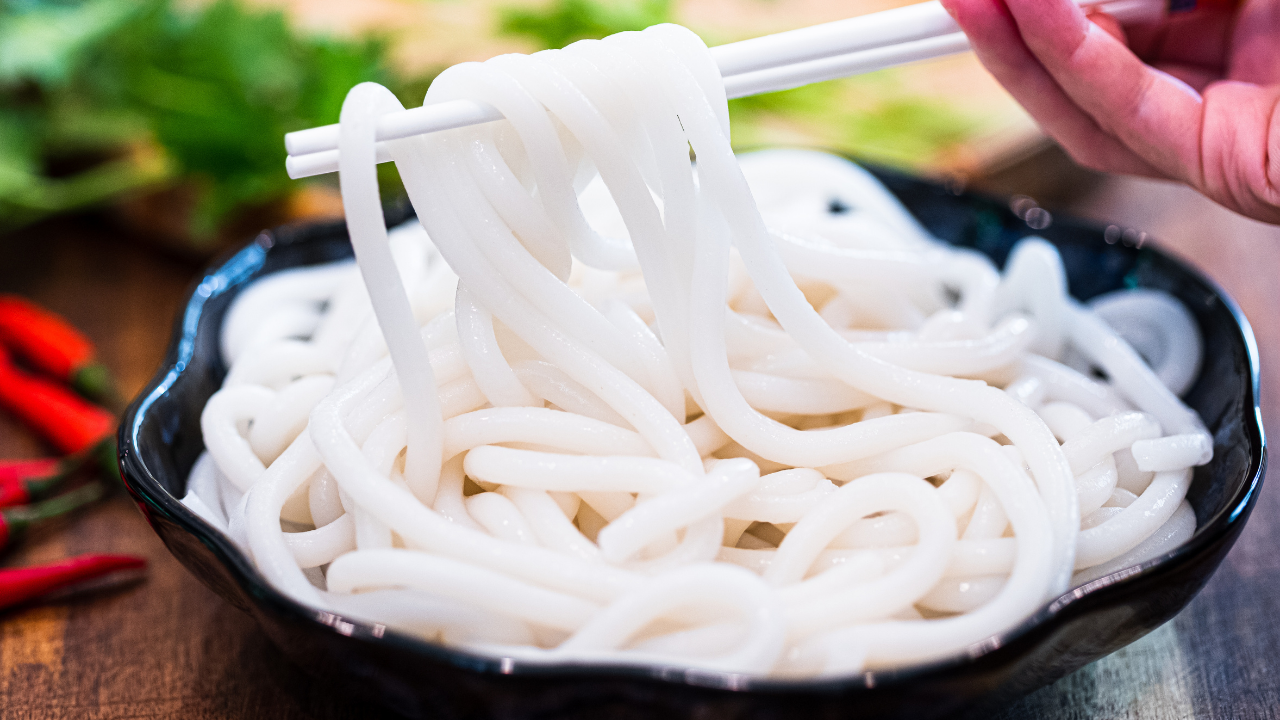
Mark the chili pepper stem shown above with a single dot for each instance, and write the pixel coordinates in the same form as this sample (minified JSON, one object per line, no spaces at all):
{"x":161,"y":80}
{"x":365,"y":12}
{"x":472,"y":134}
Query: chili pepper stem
{"x":15,"y":520}
{"x":94,"y":381}
{"x":22,"y":481}
{"x":107,"y":458}
{"x":52,"y":345}
{"x":62,"y":504}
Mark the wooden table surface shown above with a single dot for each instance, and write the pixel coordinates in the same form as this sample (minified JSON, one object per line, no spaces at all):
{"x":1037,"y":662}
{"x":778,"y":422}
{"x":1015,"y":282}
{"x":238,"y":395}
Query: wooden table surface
{"x":168,"y":647}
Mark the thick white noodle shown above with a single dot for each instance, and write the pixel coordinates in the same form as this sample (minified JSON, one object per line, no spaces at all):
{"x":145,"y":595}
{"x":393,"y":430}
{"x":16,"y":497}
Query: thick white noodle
{"x":604,"y":405}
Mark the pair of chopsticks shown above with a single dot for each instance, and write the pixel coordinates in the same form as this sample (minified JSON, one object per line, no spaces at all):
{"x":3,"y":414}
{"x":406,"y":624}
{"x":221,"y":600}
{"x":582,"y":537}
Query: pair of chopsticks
{"x":750,"y":67}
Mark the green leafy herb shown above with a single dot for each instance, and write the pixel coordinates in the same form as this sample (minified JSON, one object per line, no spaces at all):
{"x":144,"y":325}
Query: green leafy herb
{"x":562,"y":22}
{"x":213,"y":89}
{"x":45,"y":42}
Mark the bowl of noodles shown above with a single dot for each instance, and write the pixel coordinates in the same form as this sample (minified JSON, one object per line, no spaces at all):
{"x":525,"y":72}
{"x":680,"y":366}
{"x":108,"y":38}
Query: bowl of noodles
{"x":618,"y":420}
{"x":161,"y":441}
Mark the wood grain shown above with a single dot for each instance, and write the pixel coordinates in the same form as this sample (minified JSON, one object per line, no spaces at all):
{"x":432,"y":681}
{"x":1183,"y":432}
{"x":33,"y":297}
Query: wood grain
{"x":169,"y":648}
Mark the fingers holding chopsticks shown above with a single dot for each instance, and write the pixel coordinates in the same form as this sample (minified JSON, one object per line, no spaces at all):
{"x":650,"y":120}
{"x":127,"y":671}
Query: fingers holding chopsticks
{"x":1112,"y":111}
{"x":999,"y":45}
{"x":1151,"y":112}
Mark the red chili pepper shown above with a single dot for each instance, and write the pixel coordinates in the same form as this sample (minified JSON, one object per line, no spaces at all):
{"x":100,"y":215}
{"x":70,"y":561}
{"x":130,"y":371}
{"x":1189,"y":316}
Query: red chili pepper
{"x":53,"y":346}
{"x":68,"y":421}
{"x":22,"y":481}
{"x":19,"y":585}
{"x":21,"y":470}
{"x":16,"y":520}
{"x":14,"y":494}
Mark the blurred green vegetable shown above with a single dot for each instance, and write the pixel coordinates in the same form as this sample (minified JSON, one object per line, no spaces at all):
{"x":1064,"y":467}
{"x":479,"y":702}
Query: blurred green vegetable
{"x":870,"y":116}
{"x":44,"y":42}
{"x":564,"y":21}
{"x":101,"y":97}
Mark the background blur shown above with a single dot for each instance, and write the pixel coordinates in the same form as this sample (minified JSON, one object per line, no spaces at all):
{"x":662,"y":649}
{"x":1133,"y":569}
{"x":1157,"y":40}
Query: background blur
{"x":138,"y":138}
{"x":168,"y":115}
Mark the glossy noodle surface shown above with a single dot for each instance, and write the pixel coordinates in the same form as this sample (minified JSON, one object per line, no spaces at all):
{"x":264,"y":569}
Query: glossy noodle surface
{"x":606,"y":404}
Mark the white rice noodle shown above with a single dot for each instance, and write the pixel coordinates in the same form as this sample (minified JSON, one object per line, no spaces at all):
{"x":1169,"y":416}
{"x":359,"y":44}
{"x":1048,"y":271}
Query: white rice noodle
{"x":604,"y":406}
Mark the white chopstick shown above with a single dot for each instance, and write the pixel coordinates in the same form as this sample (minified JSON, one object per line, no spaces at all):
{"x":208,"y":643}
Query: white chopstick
{"x":750,"y":67}
{"x":889,"y":27}
{"x":913,"y":22}
{"x":786,"y":77}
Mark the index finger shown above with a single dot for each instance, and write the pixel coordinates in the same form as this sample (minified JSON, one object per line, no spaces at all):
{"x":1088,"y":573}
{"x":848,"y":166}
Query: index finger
{"x":1150,"y":111}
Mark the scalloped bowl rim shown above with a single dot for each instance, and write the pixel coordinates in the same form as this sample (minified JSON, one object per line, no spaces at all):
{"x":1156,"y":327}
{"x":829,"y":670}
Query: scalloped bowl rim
{"x":144,"y":485}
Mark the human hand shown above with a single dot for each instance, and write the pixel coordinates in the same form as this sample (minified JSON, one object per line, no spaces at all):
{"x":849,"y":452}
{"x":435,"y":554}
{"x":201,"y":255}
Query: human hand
{"x":1194,"y":98}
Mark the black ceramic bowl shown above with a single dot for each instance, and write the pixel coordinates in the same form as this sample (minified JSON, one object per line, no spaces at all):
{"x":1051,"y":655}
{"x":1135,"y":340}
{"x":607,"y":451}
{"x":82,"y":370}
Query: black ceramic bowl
{"x":160,"y":440}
